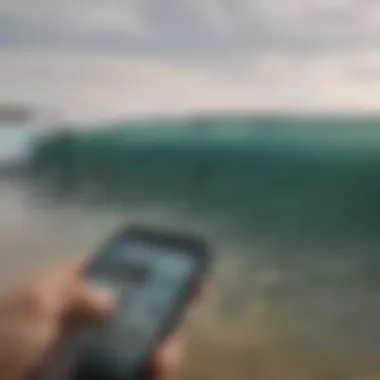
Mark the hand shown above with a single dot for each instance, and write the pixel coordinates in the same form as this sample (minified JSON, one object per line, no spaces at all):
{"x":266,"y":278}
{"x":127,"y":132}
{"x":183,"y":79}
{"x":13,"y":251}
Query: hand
{"x":33,"y":317}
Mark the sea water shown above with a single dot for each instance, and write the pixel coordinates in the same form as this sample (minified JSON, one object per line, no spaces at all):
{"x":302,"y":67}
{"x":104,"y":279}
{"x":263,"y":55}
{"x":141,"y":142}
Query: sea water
{"x":294,"y":292}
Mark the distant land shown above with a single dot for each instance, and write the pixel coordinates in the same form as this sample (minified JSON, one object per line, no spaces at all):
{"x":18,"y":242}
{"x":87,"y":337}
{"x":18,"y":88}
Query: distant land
{"x":17,"y":113}
{"x":227,"y":119}
{"x":204,"y":118}
{"x":28,"y":115}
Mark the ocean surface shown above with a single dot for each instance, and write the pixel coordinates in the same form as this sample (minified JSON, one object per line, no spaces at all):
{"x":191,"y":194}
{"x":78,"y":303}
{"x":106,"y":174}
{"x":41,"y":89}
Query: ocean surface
{"x":295,"y":289}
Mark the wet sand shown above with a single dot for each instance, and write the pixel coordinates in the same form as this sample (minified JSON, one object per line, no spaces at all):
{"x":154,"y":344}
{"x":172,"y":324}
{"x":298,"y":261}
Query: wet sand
{"x":262,"y":316}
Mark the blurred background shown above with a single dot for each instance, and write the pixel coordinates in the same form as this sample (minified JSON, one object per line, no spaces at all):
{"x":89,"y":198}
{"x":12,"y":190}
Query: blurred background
{"x":254,"y":122}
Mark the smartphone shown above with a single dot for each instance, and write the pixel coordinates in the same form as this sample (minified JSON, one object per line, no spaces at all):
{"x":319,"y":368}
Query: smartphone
{"x":152,"y":274}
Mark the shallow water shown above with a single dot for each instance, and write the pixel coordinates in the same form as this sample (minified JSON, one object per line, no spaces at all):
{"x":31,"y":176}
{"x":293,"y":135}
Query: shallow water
{"x":271,"y":310}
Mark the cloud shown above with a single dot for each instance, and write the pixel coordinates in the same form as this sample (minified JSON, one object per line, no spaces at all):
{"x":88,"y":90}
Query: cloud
{"x":190,"y":26}
{"x":90,"y":86}
{"x":99,"y":58}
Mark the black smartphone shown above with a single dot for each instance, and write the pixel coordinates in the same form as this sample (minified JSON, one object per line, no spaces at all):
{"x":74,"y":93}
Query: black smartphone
{"x":152,"y":273}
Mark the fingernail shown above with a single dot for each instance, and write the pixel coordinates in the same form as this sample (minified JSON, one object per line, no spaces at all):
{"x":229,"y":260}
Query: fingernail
{"x":104,"y":296}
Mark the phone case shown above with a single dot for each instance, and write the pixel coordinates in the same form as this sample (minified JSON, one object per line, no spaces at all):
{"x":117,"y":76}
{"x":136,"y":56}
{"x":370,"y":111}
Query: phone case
{"x":58,"y":366}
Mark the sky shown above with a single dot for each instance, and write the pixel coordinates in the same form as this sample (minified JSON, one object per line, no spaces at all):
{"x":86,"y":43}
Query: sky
{"x":95,"y":59}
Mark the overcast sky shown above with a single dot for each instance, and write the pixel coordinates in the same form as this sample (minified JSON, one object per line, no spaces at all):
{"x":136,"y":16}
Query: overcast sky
{"x":107,"y":58}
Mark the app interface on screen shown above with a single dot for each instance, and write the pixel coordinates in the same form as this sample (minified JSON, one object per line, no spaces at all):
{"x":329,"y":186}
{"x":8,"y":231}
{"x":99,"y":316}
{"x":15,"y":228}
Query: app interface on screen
{"x":145,"y":279}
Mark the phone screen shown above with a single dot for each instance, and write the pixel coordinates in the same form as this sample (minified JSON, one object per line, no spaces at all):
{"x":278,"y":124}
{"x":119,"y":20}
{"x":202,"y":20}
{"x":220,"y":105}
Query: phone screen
{"x":146,"y":280}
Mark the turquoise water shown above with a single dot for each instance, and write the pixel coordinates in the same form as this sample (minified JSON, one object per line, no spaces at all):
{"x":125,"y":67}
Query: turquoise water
{"x":273,"y":308}
{"x":293,"y":212}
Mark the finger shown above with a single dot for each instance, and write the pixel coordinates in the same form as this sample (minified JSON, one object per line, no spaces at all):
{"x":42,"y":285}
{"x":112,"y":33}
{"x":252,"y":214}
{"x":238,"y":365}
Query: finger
{"x":58,"y":277}
{"x":168,"y":360}
{"x":73,"y":270}
{"x":84,"y":302}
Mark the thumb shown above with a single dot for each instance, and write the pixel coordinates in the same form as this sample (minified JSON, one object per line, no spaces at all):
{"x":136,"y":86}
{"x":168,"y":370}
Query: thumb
{"x":86,"y":303}
{"x":168,"y":360}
